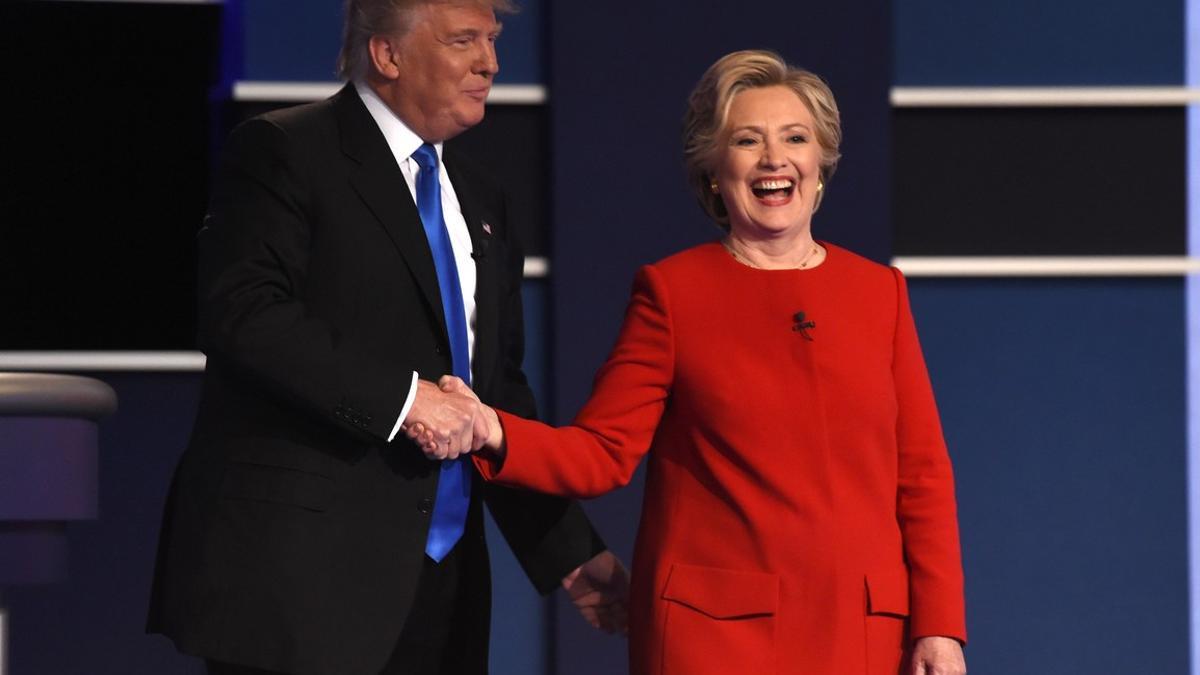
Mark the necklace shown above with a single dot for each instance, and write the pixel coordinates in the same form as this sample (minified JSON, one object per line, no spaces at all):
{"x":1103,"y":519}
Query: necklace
{"x":803,"y":264}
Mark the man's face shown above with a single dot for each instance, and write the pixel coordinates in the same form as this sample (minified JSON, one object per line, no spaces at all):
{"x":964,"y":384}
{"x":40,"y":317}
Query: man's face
{"x":446,"y":63}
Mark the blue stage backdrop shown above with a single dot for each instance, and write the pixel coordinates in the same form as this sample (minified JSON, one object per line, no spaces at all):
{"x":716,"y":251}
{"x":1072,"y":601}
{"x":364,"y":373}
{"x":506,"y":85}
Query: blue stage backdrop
{"x":1032,"y":42}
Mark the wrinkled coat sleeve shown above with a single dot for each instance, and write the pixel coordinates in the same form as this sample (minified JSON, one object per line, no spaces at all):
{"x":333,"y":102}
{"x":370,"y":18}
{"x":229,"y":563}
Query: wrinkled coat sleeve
{"x":925,"y":503}
{"x":613,"y":431}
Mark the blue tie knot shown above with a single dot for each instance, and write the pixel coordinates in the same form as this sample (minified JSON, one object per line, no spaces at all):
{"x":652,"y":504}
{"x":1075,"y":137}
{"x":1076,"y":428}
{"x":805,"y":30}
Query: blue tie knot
{"x":426,"y":157}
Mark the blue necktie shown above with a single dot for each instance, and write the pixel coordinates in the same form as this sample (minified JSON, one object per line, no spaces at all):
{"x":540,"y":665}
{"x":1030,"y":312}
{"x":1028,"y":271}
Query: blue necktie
{"x":454,"y":486}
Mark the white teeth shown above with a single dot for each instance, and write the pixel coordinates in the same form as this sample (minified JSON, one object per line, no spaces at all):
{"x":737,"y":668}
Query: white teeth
{"x":772,"y":184}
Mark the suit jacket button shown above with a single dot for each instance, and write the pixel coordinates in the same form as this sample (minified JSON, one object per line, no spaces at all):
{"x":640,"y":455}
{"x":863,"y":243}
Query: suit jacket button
{"x":425,"y":506}
{"x":439,"y":349}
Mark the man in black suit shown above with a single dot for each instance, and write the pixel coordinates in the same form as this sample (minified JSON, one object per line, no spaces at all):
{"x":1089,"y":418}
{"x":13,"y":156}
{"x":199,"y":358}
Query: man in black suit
{"x":347,"y":262}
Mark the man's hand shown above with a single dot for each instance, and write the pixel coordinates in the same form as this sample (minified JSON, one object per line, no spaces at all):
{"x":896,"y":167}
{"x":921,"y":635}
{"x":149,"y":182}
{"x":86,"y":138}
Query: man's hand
{"x":599,"y":588}
{"x":938,"y":656}
{"x":493,"y":438}
{"x":445,"y":424}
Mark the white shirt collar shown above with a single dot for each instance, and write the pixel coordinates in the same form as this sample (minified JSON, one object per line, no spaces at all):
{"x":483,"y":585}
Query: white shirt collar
{"x":402,"y":140}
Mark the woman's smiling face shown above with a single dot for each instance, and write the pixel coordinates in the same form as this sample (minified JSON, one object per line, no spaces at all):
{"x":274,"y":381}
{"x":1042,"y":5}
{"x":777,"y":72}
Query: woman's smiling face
{"x":768,"y":171}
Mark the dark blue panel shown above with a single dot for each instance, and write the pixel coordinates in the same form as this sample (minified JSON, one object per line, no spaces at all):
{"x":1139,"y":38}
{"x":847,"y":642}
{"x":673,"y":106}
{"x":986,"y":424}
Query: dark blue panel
{"x":535,"y":296}
{"x":521,"y":47}
{"x":521,"y":617}
{"x":1034,"y":42}
{"x":1063,"y":404}
{"x":289,"y":40}
{"x":232,"y":58}
{"x":298,"y":40}
{"x":579,"y":648}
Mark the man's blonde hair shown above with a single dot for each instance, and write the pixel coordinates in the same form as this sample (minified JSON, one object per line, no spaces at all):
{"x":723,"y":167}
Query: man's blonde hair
{"x":364,"y":18}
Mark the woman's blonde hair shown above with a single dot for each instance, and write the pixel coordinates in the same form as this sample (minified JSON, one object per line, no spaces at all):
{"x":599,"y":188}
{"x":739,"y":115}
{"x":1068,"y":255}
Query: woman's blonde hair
{"x":708,"y":111}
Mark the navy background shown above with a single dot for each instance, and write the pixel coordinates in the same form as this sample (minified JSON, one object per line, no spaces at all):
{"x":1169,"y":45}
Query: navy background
{"x":1030,"y":42}
{"x":1063,"y":400}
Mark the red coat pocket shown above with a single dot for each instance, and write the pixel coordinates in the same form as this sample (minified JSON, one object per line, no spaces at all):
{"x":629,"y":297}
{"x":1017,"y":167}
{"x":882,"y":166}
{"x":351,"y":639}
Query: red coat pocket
{"x":719,"y":621}
{"x":886,"y":620}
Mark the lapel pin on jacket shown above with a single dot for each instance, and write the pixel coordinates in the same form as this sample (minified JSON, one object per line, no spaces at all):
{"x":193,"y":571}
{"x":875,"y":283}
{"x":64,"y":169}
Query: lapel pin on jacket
{"x":481,"y":253}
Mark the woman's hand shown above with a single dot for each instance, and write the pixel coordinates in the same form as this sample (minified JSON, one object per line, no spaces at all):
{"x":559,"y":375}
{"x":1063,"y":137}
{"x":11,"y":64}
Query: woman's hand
{"x":938,"y":656}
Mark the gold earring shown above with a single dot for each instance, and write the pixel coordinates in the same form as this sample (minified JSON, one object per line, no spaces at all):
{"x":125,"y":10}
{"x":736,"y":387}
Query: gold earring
{"x":820,"y":186}
{"x":716,"y":189}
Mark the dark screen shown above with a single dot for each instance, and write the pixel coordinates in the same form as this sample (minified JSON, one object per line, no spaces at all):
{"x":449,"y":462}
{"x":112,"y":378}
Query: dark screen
{"x":105,"y":172}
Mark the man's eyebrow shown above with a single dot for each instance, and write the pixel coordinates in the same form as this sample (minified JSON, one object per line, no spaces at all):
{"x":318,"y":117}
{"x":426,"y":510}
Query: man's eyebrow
{"x":475,"y":31}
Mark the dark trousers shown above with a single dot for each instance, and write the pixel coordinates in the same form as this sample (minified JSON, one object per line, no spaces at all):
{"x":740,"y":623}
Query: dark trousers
{"x":446,"y":632}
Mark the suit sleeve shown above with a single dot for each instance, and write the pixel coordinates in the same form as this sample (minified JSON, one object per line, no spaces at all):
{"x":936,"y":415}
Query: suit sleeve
{"x":601,"y":449}
{"x":254,"y":254}
{"x":925,"y":498}
{"x":515,"y":393}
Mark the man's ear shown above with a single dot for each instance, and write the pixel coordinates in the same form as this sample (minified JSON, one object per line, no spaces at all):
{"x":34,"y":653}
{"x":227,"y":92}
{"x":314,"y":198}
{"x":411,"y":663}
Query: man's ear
{"x":385,"y":56}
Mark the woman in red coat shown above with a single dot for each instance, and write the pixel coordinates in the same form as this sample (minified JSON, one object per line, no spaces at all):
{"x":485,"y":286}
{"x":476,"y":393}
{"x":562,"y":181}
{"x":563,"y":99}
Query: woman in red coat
{"x":799,"y":515}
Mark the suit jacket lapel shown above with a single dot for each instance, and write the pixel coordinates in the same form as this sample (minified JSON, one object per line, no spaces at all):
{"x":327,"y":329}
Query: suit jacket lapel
{"x":487,"y":300}
{"x":381,"y":186}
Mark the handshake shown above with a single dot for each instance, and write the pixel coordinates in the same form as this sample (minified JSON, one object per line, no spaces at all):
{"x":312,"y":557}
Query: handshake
{"x":447,"y":420}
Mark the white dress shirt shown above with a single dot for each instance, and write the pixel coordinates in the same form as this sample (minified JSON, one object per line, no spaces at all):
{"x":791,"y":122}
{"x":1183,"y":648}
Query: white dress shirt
{"x":403,"y":143}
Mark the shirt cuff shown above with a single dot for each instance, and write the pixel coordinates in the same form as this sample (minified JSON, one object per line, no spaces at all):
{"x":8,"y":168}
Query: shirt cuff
{"x":408,"y":402}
